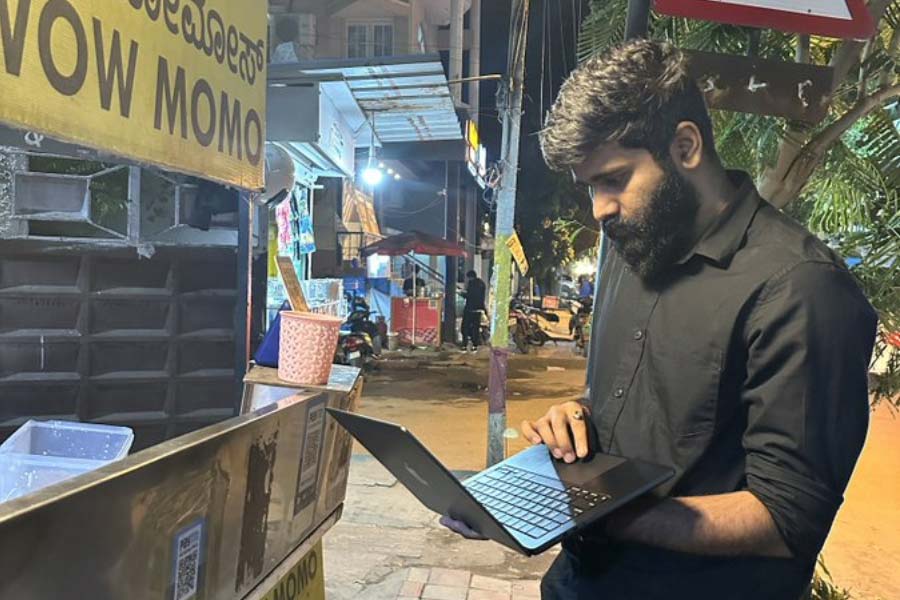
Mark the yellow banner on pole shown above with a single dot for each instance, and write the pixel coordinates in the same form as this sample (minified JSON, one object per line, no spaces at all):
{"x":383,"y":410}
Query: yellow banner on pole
{"x":518,"y":253}
{"x":180,"y":84}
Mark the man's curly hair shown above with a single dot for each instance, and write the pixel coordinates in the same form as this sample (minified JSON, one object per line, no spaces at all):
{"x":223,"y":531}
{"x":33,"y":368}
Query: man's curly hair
{"x":636,"y":94}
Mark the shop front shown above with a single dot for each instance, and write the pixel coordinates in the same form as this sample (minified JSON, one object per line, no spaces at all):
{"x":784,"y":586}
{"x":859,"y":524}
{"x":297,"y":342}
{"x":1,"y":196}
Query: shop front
{"x":388,"y":103}
{"x":123,"y":302}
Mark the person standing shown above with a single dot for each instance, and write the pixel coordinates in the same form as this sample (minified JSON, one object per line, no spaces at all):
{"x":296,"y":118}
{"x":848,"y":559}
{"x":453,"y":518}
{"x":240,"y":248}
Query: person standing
{"x":728,"y":343}
{"x":471,"y":323}
{"x":585,"y":288}
{"x":414,"y":285}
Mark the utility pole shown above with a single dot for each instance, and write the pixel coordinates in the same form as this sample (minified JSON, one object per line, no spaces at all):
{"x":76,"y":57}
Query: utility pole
{"x":509,"y":100}
{"x":457,"y":13}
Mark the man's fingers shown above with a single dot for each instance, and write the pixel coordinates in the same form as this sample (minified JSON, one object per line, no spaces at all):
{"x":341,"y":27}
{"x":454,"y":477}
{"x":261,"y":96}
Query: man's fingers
{"x":461,"y":528}
{"x":559,"y":419}
{"x":545,"y":430}
{"x":579,"y":431}
{"x":529,"y":432}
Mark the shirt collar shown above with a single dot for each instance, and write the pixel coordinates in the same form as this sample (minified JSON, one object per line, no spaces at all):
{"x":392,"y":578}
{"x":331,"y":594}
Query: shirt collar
{"x":726,"y":235}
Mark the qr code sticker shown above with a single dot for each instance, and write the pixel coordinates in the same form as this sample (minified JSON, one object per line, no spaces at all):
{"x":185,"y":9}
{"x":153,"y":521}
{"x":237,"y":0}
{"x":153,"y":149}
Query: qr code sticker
{"x":187,"y":562}
{"x":311,"y":456}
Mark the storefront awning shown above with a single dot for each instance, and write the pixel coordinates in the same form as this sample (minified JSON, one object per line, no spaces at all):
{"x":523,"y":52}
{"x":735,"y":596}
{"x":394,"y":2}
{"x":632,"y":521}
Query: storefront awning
{"x":407,"y":97}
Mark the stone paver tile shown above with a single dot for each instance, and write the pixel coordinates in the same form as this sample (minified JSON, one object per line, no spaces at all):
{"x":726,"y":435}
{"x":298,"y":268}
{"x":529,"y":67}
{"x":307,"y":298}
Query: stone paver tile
{"x":412,"y":589}
{"x":444,"y":592}
{"x":450,"y":577}
{"x":526,"y":589}
{"x":487,"y":595}
{"x":418,"y":574}
{"x":479,"y":582}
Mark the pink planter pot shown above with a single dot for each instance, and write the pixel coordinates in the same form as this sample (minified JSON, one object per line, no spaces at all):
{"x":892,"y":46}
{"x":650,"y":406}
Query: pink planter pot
{"x":307,"y":345}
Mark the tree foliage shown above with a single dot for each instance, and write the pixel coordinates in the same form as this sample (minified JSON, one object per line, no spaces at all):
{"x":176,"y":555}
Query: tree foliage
{"x":841,"y":177}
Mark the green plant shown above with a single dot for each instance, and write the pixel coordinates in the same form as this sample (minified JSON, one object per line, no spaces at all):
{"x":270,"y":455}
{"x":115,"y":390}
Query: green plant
{"x":841,"y":177}
{"x":823,"y":587}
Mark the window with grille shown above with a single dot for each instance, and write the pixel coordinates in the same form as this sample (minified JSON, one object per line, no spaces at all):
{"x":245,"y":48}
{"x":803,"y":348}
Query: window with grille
{"x":370,"y":40}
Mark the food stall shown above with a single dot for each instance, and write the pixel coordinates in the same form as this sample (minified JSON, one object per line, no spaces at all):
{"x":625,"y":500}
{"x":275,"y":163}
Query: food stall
{"x":226,"y":507}
{"x":416,"y":319}
{"x":234,"y":510}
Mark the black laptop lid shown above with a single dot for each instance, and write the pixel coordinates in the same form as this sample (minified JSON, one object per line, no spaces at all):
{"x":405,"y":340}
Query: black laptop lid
{"x":410,"y":462}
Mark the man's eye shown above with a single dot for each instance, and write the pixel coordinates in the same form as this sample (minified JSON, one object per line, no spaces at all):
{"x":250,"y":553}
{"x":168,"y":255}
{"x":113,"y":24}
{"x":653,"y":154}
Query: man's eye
{"x":613,"y":181}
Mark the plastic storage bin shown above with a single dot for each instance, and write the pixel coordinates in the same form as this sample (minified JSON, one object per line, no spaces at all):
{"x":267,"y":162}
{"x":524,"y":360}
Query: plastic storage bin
{"x":40,"y":453}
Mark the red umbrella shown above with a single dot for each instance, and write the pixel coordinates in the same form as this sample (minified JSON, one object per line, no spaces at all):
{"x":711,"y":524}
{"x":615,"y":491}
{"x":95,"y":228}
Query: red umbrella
{"x":416,"y":242}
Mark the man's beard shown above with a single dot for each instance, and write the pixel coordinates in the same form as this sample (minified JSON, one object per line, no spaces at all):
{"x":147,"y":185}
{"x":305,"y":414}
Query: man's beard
{"x":660,"y":234}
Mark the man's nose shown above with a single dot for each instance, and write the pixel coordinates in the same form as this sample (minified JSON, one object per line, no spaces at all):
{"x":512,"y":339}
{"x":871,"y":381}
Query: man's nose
{"x":604,"y":207}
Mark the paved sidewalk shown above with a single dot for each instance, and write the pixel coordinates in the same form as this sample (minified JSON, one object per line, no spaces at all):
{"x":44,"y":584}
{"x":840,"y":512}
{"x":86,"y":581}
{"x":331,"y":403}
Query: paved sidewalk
{"x":387,"y":547}
{"x":456,"y":584}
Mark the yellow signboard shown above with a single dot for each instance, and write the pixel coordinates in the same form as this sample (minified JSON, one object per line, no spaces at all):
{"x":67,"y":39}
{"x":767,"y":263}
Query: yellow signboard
{"x":305,"y":580}
{"x":518,"y":253}
{"x":176,"y":83}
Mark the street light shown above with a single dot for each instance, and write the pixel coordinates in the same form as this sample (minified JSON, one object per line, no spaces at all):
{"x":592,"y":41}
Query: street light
{"x":372,"y":175}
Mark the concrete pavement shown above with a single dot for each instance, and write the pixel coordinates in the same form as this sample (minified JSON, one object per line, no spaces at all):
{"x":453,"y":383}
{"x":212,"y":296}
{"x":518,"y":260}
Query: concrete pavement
{"x":388,"y":546}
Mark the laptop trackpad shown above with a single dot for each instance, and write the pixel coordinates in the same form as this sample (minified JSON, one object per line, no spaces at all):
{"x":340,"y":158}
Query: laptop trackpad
{"x":539,"y":460}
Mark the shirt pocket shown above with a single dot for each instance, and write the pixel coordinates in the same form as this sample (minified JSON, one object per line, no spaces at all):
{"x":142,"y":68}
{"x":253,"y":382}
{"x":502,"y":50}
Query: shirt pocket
{"x":680,"y":382}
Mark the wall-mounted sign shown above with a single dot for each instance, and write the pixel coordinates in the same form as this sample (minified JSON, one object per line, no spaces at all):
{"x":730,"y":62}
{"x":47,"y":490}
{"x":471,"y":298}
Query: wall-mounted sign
{"x":833,"y":18}
{"x":177,"y":84}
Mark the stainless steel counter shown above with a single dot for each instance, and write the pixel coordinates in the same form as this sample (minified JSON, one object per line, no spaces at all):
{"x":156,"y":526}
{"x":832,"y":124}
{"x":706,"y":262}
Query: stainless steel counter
{"x":214,"y":511}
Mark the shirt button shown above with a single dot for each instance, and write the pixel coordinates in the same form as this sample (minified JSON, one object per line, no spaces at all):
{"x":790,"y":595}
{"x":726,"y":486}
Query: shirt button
{"x":638,"y":334}
{"x":619,"y":393}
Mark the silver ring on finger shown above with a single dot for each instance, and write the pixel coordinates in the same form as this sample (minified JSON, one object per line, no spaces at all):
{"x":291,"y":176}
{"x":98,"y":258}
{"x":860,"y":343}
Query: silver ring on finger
{"x":578,"y":415}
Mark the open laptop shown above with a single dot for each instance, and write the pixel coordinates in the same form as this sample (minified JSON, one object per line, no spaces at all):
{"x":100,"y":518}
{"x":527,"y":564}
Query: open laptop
{"x":528,"y":502}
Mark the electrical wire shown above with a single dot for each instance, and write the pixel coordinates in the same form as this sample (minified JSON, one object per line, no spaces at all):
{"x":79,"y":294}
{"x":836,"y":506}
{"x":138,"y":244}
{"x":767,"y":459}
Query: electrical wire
{"x":543,"y":53}
{"x":402,"y":213}
{"x":575,"y":24}
{"x":562,"y":37}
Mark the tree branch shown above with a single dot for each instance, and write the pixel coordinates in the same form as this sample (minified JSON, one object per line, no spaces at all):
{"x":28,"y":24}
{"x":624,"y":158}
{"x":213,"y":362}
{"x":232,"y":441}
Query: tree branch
{"x":848,"y":53}
{"x":825,"y":138}
{"x":892,"y":48}
{"x":861,"y":80}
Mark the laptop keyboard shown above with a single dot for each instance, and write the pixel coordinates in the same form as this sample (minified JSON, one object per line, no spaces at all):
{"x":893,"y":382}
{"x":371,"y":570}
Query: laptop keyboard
{"x":529,"y":503}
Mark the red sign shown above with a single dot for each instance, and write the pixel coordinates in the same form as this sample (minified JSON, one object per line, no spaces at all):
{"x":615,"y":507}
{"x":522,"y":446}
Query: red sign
{"x":848,"y":19}
{"x":550,"y":302}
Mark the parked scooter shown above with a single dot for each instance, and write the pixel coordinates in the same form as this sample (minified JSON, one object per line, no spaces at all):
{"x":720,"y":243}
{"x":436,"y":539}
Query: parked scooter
{"x":359,"y":343}
{"x":524,"y":327}
{"x":484,"y":327}
{"x":580,"y":324}
{"x":356,"y":350}
{"x":359,"y":321}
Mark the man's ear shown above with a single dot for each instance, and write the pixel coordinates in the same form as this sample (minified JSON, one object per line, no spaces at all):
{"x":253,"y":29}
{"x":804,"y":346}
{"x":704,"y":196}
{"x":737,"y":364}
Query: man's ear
{"x":687,"y":145}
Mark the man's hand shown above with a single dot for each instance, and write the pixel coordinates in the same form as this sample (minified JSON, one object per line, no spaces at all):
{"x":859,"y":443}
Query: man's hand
{"x":461,"y":528}
{"x":553,"y":430}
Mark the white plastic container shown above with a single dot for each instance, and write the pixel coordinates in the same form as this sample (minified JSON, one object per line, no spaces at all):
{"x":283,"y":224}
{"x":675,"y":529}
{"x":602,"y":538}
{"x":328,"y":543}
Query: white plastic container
{"x":40,"y":453}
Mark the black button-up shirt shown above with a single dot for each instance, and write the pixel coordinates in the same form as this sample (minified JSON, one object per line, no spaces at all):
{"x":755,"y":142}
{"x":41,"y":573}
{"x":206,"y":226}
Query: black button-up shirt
{"x":745,"y":369}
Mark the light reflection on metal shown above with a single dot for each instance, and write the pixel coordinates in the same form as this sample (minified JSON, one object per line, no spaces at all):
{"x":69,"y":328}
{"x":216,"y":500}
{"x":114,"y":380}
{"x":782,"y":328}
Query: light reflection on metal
{"x":110,"y":533}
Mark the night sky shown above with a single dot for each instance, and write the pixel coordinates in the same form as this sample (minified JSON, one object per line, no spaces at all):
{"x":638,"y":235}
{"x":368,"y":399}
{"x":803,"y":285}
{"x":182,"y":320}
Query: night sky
{"x":549,"y":62}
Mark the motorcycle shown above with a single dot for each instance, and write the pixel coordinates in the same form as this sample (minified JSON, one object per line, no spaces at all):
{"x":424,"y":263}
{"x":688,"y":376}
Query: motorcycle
{"x":355,"y":350}
{"x":359,"y":321}
{"x":359,"y":342}
{"x":484,"y":327}
{"x":525,"y":329}
{"x":580,"y":324}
